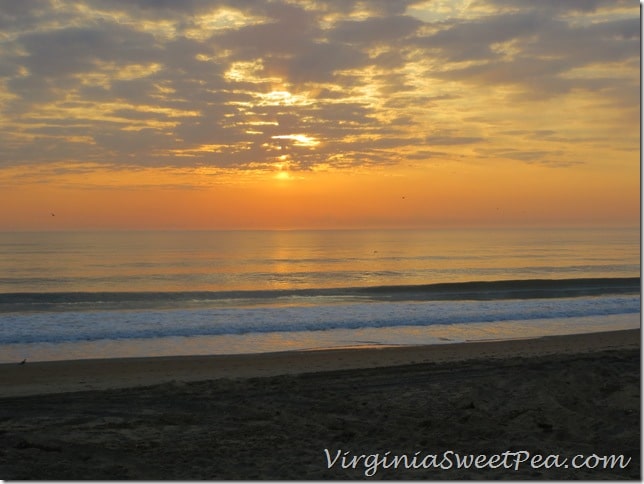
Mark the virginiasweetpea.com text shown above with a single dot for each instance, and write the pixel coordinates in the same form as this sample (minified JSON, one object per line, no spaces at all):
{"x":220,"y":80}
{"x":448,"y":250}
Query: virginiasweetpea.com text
{"x":513,"y":460}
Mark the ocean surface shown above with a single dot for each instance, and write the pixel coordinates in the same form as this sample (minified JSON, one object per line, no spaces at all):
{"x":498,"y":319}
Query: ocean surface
{"x":76,"y":295}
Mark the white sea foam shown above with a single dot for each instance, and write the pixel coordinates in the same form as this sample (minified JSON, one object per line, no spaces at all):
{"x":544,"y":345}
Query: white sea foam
{"x":315,"y":340}
{"x":57,"y":327}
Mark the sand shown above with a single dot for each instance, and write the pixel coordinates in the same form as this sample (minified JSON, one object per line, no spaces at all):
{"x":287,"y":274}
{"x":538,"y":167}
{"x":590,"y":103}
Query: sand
{"x":288,"y":415}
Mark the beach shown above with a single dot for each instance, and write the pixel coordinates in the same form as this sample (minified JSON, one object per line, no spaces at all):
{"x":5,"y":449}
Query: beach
{"x":307,"y":414}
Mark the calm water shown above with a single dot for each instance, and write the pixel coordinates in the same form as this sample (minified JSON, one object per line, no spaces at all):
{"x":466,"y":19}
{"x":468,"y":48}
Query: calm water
{"x":98,"y":294}
{"x":217,"y":261}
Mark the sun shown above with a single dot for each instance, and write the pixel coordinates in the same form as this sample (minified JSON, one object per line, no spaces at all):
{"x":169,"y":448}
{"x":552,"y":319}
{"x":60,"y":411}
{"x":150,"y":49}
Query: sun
{"x":281,"y":168}
{"x":283,"y":176}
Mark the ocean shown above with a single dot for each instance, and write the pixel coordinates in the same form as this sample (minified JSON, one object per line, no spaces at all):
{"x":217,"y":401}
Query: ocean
{"x":78,"y":295}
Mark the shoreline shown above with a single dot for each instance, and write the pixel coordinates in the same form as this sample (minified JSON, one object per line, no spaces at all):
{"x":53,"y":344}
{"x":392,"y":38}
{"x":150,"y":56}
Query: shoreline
{"x":51,"y":377}
{"x":553,"y":397}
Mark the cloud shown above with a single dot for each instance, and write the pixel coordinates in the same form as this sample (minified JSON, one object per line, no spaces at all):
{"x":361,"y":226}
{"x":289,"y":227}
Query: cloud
{"x":286,"y":28}
{"x":220,"y":82}
{"x":74,"y":50}
{"x":539,"y":53}
{"x":583,"y":6}
{"x":375,"y":30}
{"x":466,"y":40}
{"x":452,"y":140}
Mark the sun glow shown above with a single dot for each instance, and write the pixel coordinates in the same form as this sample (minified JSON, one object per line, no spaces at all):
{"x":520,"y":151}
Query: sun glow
{"x":298,"y":139}
{"x":282,"y":98}
{"x":283,"y":175}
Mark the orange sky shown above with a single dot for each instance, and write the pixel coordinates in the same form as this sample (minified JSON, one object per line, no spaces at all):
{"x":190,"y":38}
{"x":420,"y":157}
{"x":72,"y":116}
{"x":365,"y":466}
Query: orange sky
{"x":277,"y":114}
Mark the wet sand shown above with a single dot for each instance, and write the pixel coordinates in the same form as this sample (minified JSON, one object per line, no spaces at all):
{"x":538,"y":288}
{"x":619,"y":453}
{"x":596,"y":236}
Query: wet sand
{"x":272,"y":416}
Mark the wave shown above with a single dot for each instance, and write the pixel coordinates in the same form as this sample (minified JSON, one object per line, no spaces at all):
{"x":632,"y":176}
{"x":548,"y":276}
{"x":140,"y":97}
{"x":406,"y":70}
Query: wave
{"x":56,"y":327}
{"x":474,"y":290}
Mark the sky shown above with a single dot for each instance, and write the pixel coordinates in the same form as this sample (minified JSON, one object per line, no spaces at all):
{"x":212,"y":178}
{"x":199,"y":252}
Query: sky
{"x":318,"y":114}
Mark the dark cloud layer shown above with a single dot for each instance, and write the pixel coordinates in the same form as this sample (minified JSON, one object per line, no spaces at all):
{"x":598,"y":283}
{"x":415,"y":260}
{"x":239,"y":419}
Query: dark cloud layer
{"x":145,"y":81}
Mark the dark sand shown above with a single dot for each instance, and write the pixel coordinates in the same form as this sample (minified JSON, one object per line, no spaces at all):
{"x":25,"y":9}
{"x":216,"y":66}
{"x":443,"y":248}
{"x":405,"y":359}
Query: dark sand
{"x":272,"y":416}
